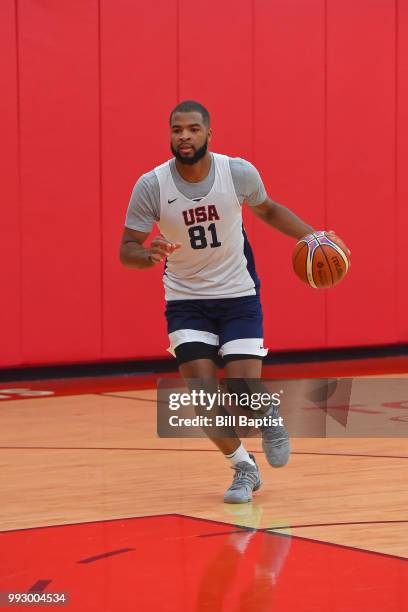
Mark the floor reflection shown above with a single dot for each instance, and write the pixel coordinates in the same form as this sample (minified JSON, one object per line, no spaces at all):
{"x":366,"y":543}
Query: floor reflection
{"x":245,"y":571}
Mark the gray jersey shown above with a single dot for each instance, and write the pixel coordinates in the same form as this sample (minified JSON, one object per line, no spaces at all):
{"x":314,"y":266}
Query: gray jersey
{"x":215,"y":260}
{"x":144,"y":205}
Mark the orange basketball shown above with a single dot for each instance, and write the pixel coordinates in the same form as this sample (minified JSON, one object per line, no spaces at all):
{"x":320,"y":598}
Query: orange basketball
{"x":320,"y":260}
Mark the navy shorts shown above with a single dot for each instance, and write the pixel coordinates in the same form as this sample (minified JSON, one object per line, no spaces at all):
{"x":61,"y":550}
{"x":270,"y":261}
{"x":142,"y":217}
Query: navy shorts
{"x":230,"y":326}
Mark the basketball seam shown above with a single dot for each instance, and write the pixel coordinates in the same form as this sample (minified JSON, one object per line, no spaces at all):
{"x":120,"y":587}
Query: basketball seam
{"x":340,"y":251}
{"x":299,"y":251}
{"x":309,"y":264}
{"x":326,"y":258}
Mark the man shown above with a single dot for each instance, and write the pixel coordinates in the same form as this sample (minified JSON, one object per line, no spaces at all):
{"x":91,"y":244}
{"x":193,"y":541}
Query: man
{"x":211,"y":285}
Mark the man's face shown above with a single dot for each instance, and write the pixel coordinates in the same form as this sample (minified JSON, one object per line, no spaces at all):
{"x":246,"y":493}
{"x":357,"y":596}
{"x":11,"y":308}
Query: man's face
{"x":189,"y":137}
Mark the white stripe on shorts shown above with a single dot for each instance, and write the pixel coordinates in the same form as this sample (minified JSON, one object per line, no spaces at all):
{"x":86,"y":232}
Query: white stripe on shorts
{"x":244,"y":346}
{"x":191,"y":335}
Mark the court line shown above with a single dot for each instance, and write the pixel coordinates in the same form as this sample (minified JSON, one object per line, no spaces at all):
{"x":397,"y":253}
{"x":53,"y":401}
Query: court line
{"x":269,"y":531}
{"x":240,"y":528}
{"x":140,"y":399}
{"x":219,"y":533}
{"x":338,"y":524}
{"x":250,"y":529}
{"x":189,"y":450}
{"x":105,"y":555}
{"x":113,"y":520}
{"x":39,"y":586}
{"x":351,"y":454}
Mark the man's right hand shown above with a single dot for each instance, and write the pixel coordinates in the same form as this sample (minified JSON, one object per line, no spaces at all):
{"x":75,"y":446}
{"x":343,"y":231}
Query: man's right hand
{"x":160,"y":248}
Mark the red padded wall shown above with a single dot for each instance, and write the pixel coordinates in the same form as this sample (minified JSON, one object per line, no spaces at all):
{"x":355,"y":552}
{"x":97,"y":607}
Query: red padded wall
{"x":216,"y":69}
{"x":10,"y":311}
{"x":402,"y":174}
{"x":289,"y":152}
{"x":58,"y":48}
{"x":139,"y":87}
{"x":314,"y":92}
{"x":361,"y":166}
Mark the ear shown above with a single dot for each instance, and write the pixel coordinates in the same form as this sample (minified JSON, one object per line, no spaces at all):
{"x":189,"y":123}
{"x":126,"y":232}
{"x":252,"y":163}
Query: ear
{"x":209,"y":134}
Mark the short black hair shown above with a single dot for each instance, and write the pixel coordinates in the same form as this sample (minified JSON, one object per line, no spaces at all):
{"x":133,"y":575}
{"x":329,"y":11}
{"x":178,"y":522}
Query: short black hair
{"x":188,"y":106}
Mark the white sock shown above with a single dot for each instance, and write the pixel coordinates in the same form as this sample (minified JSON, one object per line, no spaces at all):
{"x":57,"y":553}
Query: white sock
{"x":239,"y":455}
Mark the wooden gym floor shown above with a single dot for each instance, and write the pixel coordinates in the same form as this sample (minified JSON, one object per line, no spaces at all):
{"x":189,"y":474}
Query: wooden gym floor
{"x":93,"y":503}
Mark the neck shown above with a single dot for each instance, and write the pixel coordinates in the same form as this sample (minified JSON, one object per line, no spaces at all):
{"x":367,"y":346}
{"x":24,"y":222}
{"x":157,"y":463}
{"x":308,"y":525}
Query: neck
{"x":197,"y":172}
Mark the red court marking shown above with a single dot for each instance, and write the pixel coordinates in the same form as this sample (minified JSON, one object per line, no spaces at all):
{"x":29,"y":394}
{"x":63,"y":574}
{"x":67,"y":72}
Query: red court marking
{"x":99,"y":384}
{"x":169,"y":565}
{"x":79,"y":386}
{"x":39,"y":586}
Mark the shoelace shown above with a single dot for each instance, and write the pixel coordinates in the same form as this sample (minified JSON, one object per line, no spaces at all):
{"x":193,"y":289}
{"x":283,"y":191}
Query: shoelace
{"x":242,"y":477}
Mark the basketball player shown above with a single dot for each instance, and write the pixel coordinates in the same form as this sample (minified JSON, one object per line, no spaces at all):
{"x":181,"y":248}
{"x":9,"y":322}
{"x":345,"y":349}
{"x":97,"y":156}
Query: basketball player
{"x":211,"y":285}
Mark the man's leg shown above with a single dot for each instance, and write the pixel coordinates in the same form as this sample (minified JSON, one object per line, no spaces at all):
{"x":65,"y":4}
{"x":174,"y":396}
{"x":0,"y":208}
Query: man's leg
{"x":275,"y":440}
{"x":244,"y":368}
{"x":206,"y":371}
{"x":246,"y":478}
{"x":193,"y":328}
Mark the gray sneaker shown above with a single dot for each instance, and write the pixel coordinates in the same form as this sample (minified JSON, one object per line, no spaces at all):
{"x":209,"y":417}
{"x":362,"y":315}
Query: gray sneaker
{"x":246,"y":480}
{"x":275,"y":442}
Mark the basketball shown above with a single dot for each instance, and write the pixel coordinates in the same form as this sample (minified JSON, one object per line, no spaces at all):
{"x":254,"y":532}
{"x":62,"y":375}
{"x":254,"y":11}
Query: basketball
{"x":320,"y":260}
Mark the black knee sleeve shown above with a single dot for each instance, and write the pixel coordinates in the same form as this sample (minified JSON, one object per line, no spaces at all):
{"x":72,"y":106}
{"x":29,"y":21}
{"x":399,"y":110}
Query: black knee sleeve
{"x":189,"y":351}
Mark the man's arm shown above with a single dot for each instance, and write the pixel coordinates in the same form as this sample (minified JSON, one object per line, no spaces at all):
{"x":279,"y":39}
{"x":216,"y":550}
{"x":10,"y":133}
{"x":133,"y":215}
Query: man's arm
{"x":132,"y":252}
{"x":282,"y":219}
{"x":134,"y":255}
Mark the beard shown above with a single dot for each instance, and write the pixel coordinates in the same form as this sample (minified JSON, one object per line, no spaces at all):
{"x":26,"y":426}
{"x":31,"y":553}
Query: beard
{"x":190,"y":161}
